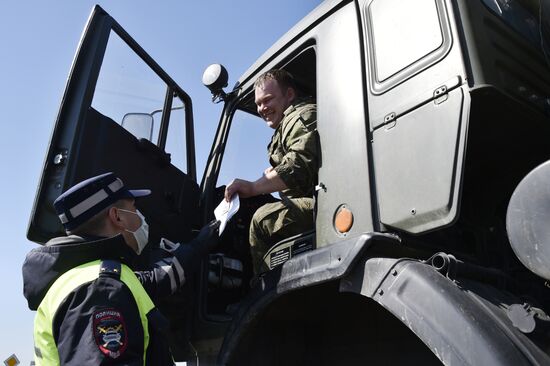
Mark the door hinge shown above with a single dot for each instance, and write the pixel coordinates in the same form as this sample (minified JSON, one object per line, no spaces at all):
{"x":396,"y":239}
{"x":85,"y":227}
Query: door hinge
{"x":390,"y":120}
{"x":441,"y":94}
{"x":60,"y":158}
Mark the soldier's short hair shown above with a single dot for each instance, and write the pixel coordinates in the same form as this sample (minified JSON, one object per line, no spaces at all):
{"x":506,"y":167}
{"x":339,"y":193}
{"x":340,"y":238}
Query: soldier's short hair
{"x":283,"y":78}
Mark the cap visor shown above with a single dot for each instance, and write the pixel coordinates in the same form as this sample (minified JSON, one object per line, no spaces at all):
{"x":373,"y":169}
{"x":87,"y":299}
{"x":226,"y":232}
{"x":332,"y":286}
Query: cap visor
{"x":139,"y":192}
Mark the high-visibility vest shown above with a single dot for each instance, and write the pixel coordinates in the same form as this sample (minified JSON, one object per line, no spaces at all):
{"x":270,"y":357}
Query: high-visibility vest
{"x":46,"y":353}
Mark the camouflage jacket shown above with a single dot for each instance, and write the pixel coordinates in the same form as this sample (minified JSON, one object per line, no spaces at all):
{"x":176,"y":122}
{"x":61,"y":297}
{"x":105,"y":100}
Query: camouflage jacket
{"x":294,"y":149}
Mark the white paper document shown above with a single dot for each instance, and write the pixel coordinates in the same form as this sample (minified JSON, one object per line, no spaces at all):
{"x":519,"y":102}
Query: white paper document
{"x":225,"y":211}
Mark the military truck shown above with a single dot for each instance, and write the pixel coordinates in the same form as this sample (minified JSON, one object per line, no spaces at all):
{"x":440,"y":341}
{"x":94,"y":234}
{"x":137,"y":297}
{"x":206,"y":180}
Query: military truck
{"x":430,"y":243}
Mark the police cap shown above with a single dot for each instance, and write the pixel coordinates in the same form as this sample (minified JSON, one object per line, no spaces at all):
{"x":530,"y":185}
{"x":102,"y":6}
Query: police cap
{"x":86,"y":199}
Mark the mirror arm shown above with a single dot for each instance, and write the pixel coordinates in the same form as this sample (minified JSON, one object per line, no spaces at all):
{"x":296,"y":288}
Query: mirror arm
{"x":223,"y":96}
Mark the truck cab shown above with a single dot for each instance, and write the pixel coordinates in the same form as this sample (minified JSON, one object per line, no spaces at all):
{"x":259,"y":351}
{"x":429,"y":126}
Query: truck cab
{"x":429,"y":241}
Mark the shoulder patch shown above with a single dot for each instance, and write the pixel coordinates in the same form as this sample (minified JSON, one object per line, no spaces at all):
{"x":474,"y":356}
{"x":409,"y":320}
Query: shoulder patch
{"x":110,"y":332}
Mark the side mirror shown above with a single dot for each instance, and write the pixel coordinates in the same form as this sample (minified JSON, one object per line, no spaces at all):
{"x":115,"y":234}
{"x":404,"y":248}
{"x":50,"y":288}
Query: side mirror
{"x":139,"y":124}
{"x":215,"y":79}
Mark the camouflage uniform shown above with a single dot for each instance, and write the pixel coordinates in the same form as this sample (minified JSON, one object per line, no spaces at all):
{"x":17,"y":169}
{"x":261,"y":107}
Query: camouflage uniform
{"x":294,"y":155}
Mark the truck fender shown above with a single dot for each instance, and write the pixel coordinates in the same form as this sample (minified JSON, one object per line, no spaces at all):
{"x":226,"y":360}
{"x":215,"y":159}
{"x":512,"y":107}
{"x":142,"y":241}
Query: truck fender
{"x":322,"y":265}
{"x":458,"y":326}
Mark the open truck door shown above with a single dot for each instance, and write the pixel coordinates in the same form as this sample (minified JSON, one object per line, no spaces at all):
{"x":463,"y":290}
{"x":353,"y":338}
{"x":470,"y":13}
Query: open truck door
{"x":122,"y":113}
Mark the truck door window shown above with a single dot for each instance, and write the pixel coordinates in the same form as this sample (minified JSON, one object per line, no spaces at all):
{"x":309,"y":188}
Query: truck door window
{"x":246,"y":151}
{"x":127,"y":85}
{"x":405,"y":37}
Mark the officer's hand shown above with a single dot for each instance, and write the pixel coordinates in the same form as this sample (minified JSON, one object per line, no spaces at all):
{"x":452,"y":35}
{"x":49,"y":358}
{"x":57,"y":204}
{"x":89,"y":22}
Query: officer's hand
{"x":208,"y":236}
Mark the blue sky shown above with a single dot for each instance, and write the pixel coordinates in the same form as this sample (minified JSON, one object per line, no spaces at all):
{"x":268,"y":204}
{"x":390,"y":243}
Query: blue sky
{"x":38,"y":40}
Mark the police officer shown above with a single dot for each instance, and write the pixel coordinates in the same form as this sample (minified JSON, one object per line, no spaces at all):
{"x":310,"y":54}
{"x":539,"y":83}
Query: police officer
{"x":92,"y":309}
{"x":294,"y":160}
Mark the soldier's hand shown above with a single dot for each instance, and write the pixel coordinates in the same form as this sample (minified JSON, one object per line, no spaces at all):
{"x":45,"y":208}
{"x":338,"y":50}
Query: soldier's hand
{"x":241,"y":187}
{"x":208,"y":236}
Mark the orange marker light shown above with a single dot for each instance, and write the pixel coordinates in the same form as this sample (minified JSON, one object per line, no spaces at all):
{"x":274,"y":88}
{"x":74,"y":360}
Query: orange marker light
{"x":343,"y":220}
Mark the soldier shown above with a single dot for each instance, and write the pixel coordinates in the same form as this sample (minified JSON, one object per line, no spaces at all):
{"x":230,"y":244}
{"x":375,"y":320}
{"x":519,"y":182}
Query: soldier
{"x":294,"y":159}
{"x":92,"y":309}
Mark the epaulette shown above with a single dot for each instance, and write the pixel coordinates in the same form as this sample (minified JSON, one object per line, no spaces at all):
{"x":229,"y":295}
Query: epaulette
{"x":110,"y":268}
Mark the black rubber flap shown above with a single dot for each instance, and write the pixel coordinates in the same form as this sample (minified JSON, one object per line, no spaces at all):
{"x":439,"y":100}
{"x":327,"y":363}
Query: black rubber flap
{"x":528,"y":220}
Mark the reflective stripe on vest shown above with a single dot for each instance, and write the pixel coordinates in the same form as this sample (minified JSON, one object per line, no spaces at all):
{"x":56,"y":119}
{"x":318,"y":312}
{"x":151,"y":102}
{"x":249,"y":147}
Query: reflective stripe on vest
{"x":45,"y":348}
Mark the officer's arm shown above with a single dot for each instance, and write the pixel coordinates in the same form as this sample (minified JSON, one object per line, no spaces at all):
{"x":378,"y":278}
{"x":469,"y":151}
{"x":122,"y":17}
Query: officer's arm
{"x":169,"y":274}
{"x":164,"y":278}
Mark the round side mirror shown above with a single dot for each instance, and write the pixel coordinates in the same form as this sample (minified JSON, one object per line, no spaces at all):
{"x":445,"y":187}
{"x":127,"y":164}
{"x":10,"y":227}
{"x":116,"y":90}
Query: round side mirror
{"x":215,"y":78}
{"x":528,"y":221}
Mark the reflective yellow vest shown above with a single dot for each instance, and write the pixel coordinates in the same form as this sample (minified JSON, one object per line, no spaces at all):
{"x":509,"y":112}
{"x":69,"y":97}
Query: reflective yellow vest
{"x":44,"y":344}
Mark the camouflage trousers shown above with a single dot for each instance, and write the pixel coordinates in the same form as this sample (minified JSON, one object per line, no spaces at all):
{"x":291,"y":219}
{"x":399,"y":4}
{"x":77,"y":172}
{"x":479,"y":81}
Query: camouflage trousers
{"x":276,"y":221}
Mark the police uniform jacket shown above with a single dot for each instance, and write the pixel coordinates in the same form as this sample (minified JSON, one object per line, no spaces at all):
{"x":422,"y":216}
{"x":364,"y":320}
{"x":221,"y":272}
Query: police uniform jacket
{"x":99,"y":321}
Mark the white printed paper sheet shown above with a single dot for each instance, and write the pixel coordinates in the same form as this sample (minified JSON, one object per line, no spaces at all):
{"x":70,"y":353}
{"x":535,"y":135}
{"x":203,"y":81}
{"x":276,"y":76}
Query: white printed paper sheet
{"x":225,"y":211}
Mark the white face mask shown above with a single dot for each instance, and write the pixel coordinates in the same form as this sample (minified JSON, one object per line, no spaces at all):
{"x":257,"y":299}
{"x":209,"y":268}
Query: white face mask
{"x":142,"y":233}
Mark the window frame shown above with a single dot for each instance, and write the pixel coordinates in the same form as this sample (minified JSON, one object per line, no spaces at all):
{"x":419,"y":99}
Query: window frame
{"x":381,"y":86}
